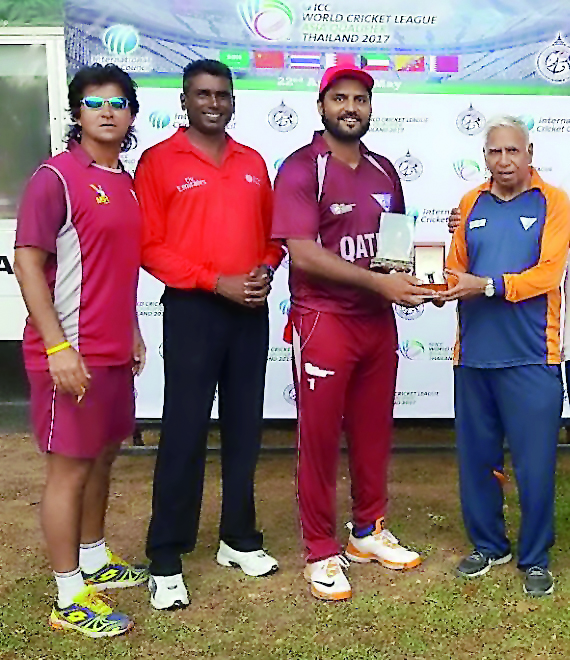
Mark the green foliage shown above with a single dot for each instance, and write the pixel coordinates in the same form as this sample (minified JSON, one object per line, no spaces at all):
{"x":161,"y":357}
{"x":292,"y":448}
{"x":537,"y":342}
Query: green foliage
{"x":23,"y":13}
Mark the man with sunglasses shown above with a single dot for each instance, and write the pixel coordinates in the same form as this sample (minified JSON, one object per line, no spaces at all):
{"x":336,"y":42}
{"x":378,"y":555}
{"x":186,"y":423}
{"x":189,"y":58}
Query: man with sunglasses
{"x":206,"y":204}
{"x":77,"y":261}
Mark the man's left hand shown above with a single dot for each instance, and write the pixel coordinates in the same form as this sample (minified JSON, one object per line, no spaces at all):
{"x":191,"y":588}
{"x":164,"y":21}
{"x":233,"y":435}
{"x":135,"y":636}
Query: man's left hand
{"x":466,"y":286}
{"x":139,"y":353}
{"x":258,"y":285}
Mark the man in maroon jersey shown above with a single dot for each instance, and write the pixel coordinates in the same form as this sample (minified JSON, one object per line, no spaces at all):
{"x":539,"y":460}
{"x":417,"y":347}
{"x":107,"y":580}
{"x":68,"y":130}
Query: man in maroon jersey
{"x":77,"y":261}
{"x":328,"y":199}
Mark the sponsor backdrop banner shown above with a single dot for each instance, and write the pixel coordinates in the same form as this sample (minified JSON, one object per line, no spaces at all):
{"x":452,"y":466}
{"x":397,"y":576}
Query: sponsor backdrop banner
{"x":441,"y":71}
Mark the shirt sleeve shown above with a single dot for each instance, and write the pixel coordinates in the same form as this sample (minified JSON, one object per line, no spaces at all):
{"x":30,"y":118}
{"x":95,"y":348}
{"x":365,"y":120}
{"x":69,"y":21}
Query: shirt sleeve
{"x":296,"y":209}
{"x":157,"y":257}
{"x":274,"y":249}
{"x":42,"y":212}
{"x":457,"y":258}
{"x":547,"y":274}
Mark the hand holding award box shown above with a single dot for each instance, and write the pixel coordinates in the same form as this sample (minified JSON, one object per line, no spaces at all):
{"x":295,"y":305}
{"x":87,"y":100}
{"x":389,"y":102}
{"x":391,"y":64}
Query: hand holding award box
{"x":398,"y":251}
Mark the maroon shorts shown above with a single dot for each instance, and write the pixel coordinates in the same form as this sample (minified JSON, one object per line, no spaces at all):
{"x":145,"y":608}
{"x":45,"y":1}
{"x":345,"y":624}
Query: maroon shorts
{"x":105,"y":415}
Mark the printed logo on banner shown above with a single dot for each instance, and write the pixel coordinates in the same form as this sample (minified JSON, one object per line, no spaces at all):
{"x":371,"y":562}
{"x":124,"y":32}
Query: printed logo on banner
{"x":285,"y":306}
{"x":271,"y":20}
{"x":159,"y":119}
{"x":468,"y":170}
{"x":409,"y":167}
{"x":470,"y":121}
{"x":409,"y":313}
{"x":528,"y":120}
{"x":553,"y":63}
{"x":412,"y":349}
{"x":160,"y":351}
{"x":121,"y":39}
{"x":5,"y":265}
{"x":289,"y":394}
{"x":282,"y":118}
{"x":277,"y":164}
{"x":286,"y":261}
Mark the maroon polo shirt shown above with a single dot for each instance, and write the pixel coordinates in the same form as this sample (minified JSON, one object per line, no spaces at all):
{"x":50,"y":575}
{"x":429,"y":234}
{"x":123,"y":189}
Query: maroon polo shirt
{"x":321,"y":198}
{"x":86,"y":217}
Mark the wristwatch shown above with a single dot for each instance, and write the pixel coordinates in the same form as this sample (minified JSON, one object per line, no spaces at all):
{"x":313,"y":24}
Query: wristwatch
{"x":490,"y":288}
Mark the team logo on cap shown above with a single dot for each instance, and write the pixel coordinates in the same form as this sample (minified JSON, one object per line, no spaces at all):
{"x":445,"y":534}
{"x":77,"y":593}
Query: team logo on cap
{"x":121,"y":39}
{"x":553,"y":63}
{"x":283,"y":118}
{"x":409,"y":167}
{"x":101,"y":194}
{"x":271,"y":20}
{"x":470,"y":121}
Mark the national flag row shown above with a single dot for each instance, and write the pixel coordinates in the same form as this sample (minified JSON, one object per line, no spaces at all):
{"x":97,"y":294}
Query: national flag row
{"x":273,"y":59}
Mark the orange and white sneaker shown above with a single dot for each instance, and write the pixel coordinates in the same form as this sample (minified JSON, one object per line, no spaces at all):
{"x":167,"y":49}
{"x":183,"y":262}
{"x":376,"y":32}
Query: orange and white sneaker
{"x":327,"y":578}
{"x":381,"y":546}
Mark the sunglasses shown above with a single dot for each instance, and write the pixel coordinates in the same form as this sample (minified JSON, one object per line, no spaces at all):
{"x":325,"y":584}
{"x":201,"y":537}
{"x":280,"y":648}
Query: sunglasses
{"x":96,"y":102}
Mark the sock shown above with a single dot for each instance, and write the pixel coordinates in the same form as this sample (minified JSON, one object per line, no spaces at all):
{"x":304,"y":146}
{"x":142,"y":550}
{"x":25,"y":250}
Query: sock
{"x":361,"y":532}
{"x":68,"y":586}
{"x":92,"y":556}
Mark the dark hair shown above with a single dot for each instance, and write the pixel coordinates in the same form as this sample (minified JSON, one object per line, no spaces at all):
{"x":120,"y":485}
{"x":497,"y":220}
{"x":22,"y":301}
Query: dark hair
{"x":97,"y":74}
{"x":213,"y":67}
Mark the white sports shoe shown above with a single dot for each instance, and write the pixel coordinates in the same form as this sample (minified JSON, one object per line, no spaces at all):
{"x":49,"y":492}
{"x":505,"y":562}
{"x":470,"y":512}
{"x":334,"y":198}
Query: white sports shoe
{"x":327,"y":578}
{"x":168,"y":592}
{"x":381,"y":546}
{"x":255,"y":563}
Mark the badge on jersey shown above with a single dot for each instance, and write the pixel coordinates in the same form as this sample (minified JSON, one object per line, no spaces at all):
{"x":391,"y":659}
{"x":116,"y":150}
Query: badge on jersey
{"x":527,"y":223}
{"x":479,"y":222}
{"x":102,"y":197}
{"x":339,"y":209}
{"x":384,"y":199}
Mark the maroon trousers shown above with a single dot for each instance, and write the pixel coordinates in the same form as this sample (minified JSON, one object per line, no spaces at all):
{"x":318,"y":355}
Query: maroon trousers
{"x":345,"y":374}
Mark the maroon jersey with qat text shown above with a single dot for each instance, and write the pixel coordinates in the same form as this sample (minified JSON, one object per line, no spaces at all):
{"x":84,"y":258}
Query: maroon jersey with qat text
{"x":321,"y":198}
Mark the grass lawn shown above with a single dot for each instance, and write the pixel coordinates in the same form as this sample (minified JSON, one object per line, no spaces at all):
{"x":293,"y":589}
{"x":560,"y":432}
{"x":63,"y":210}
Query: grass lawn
{"x":423,"y":614}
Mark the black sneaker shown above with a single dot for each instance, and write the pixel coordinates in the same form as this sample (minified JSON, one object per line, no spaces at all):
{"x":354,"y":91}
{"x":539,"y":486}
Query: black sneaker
{"x":477,"y":564}
{"x":538,"y":581}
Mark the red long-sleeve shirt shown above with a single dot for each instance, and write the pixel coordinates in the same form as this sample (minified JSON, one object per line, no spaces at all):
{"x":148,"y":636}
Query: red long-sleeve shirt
{"x":201,"y":220}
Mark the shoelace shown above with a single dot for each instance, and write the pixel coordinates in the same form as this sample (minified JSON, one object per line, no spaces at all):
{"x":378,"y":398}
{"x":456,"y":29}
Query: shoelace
{"x":476,"y":555}
{"x":335,"y":564}
{"x":97,"y":602}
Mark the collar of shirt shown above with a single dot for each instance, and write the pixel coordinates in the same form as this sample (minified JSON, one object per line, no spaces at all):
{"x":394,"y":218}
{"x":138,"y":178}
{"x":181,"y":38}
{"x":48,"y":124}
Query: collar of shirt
{"x":320,"y":146}
{"x":83,"y":158}
{"x":536,"y":181}
{"x":182,"y":144}
{"x":79,"y":153}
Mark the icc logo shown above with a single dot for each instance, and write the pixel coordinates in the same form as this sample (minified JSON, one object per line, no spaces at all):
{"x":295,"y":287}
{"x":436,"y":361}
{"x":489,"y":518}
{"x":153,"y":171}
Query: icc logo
{"x":159,"y":119}
{"x":285,"y":306}
{"x":282,"y":118}
{"x":468,"y":170}
{"x":289,"y":394}
{"x":409,"y":313}
{"x":470,"y":121}
{"x":271,"y":20}
{"x":121,"y":39}
{"x":412,"y":349}
{"x":553,"y":63}
{"x":409,"y":167}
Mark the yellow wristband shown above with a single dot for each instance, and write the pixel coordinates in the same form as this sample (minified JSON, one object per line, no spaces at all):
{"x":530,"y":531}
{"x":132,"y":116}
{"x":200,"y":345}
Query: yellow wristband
{"x":58,"y":348}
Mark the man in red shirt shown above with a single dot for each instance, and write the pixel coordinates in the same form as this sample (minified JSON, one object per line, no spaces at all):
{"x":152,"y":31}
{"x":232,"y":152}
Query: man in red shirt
{"x":77,"y":262}
{"x":206,"y":203}
{"x":328,"y":199}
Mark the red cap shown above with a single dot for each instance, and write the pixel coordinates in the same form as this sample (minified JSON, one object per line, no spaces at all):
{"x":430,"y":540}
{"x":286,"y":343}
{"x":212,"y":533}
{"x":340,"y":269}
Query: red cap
{"x":334,"y":73}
